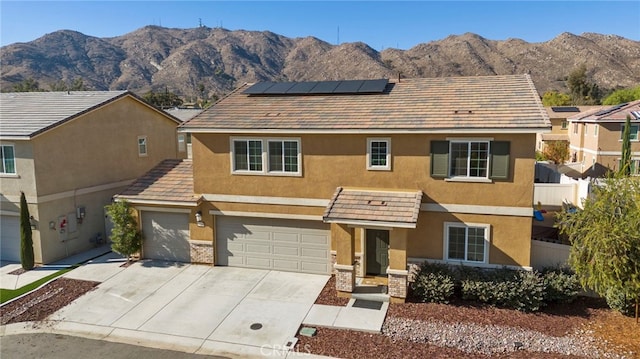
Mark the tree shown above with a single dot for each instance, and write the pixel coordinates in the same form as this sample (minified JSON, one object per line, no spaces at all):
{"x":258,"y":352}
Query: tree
{"x":125,"y":237}
{"x":605,"y":239}
{"x":162,"y":100}
{"x":583,"y":91}
{"x":76,"y":85}
{"x":557,"y":151}
{"x":27,"y":85}
{"x":622,"y":96}
{"x":26,"y":239}
{"x":554,"y":98}
{"x":625,"y":161}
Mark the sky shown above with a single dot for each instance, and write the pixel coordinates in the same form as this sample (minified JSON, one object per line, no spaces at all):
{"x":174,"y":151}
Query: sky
{"x":380,"y":24}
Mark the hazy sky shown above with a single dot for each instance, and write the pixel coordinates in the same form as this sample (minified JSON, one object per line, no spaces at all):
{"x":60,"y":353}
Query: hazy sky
{"x":380,"y":24}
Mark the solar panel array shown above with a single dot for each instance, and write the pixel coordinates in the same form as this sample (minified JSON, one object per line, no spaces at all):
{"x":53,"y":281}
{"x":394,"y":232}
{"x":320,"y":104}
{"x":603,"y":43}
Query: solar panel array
{"x":565,"y":109}
{"x":610,"y":109}
{"x":318,"y":87}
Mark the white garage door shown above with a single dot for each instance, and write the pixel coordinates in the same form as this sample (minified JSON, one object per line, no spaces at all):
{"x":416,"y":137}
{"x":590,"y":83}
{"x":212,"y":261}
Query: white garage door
{"x":288,"y":245}
{"x":10,"y":238}
{"x":166,"y":236}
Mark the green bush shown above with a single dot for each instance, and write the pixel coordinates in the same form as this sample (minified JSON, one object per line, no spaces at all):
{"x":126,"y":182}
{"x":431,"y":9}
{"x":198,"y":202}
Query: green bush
{"x":506,"y":288}
{"x":621,"y":301}
{"x":433,"y":283}
{"x":561,"y":285}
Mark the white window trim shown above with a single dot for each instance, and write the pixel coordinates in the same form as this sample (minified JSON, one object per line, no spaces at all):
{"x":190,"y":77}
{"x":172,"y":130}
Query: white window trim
{"x":595,"y":129}
{"x":370,"y":167}
{"x":470,"y":178}
{"x":182,"y":142}
{"x":564,"y":125}
{"x":637,"y":132}
{"x":487,"y":240}
{"x":146,"y":146}
{"x":265,"y":156}
{"x":586,"y":129}
{"x":15,"y":163}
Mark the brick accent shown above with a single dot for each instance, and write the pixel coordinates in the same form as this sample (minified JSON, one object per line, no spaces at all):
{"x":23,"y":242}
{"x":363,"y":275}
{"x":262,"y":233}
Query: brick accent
{"x":201,"y":252}
{"x":357,"y":264}
{"x":345,"y":278}
{"x":397,"y":283}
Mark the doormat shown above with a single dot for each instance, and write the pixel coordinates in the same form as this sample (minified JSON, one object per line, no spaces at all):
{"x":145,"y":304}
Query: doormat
{"x":367,"y":304}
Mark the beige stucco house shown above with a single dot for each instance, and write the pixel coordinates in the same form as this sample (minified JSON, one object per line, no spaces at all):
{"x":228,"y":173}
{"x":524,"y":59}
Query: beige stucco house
{"x":357,"y":178}
{"x":595,"y":138}
{"x":559,"y":124}
{"x":70,"y":152}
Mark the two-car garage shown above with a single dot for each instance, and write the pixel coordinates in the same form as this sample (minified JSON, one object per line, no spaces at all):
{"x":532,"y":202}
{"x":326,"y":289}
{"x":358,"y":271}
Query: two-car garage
{"x":277,"y":244}
{"x":251,"y":242}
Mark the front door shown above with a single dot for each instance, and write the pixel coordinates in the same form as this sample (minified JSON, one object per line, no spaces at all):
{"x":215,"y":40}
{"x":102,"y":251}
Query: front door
{"x":377,"y":251}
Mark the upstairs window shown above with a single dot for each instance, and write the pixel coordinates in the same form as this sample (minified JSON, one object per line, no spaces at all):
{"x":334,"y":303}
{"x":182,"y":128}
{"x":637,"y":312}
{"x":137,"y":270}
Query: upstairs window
{"x":142,"y":145}
{"x":595,"y":130}
{"x":564,"y":125}
{"x":8,"y":163}
{"x":471,"y":160}
{"x":268,"y":156}
{"x":633,"y":133}
{"x":379,"y":154}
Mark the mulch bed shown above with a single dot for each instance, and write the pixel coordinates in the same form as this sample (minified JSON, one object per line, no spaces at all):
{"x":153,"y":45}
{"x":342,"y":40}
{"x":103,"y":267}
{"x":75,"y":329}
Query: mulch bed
{"x":18,"y":271}
{"x":39,"y":304}
{"x":329,"y":295}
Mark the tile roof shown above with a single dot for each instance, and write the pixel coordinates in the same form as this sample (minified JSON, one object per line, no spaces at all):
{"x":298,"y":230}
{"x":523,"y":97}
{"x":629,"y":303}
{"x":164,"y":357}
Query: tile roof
{"x":374,"y":207}
{"x":555,"y":137}
{"x":184,"y":114}
{"x":476,"y":104}
{"x":27,"y":114}
{"x":565,"y":114}
{"x":616,"y":113}
{"x":169,"y":181}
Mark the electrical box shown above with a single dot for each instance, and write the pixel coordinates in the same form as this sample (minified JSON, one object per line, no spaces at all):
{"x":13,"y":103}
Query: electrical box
{"x":80,"y":213}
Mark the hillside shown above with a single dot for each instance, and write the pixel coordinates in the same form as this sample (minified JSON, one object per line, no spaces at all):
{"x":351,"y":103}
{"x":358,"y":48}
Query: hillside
{"x":181,"y":59}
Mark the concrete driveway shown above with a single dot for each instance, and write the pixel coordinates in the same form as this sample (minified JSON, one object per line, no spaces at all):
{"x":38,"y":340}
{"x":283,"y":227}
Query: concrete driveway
{"x":181,"y":306}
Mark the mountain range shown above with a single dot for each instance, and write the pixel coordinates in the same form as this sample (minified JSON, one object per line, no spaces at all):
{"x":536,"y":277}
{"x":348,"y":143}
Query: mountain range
{"x":213,"y":61}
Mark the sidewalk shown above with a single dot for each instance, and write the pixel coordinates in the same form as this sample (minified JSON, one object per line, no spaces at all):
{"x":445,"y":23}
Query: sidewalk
{"x":12,"y":281}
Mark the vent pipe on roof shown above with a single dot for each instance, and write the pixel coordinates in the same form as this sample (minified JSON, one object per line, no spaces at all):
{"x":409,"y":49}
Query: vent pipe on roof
{"x":399,"y":73}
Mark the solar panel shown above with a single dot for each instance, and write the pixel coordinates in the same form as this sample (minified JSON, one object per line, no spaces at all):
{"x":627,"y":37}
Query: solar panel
{"x":350,"y":86}
{"x":565,"y":109}
{"x":324,"y":87}
{"x":279,"y":88}
{"x":258,"y":88}
{"x":301,"y":88}
{"x":371,"y":86}
{"x":610,"y":109}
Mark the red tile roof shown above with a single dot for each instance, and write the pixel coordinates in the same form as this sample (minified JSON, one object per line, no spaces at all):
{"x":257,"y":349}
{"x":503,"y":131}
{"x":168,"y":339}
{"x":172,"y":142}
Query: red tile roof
{"x":475,"y":104}
{"x":170,"y":181}
{"x":376,"y":207}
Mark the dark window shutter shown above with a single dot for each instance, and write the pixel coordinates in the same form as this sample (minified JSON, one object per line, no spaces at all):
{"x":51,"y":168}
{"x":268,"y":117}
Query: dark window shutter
{"x":439,"y":159}
{"x":500,"y":159}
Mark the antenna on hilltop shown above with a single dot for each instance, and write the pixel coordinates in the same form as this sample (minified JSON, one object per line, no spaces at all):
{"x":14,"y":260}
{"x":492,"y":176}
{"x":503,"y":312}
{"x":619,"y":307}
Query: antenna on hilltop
{"x":199,"y":22}
{"x":338,"y":40}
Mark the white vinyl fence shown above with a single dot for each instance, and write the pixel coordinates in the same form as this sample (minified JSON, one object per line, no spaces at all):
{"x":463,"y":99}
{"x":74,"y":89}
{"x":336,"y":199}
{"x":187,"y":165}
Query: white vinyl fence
{"x":547,"y":254}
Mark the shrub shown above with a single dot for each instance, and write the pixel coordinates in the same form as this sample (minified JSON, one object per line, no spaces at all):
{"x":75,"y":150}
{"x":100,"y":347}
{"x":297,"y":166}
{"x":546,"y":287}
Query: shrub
{"x":507,"y":288}
{"x":621,"y":301}
{"x":561,"y":285}
{"x":433,"y":283}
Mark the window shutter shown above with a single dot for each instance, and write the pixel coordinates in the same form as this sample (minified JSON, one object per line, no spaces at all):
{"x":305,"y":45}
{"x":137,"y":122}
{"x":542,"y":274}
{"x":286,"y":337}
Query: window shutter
{"x":500,"y":159}
{"x":439,"y":159}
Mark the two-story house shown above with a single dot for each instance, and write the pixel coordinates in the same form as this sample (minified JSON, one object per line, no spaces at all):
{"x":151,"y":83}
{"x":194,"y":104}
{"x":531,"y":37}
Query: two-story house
{"x":559,"y":124}
{"x":596,"y":137}
{"x":70,"y":152}
{"x":360,"y":178}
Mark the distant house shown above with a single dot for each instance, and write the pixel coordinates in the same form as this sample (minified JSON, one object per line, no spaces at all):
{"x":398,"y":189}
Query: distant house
{"x":70,"y":152}
{"x":184,"y":114}
{"x":596,"y":138}
{"x":359,"y":178}
{"x":559,"y":125}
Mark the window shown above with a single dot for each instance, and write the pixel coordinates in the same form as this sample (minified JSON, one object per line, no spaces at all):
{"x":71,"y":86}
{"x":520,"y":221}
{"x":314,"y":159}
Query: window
{"x":182,"y":145}
{"x":586,"y":128}
{"x":142,"y":145}
{"x":278,"y":156}
{"x":468,"y":243}
{"x":379,"y":154}
{"x":633,"y":132}
{"x":283,"y":156}
{"x":8,"y":163}
{"x":564,"y":125}
{"x":595,"y":130}
{"x":470,"y":160}
{"x":575,"y":128}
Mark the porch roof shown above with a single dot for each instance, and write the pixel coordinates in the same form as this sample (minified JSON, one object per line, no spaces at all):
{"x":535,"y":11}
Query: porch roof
{"x":372,"y":207}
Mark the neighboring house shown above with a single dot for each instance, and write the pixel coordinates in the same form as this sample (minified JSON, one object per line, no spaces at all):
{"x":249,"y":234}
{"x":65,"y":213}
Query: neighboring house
{"x":596,"y":138}
{"x":360,"y":178}
{"x":184,"y":114}
{"x":70,"y":152}
{"x":559,"y":125}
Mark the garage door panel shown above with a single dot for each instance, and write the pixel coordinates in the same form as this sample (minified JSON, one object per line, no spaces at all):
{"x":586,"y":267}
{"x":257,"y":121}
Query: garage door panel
{"x":289,"y":245}
{"x":10,"y":238}
{"x":166,"y":236}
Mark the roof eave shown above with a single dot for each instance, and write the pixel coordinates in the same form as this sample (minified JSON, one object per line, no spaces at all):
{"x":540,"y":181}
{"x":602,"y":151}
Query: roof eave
{"x":533,"y":130}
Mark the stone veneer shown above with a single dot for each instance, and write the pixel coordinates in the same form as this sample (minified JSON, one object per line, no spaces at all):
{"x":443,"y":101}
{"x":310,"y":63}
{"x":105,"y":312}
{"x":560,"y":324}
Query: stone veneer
{"x":357,"y":264}
{"x":201,"y":251}
{"x":345,"y":278}
{"x":397,"y":283}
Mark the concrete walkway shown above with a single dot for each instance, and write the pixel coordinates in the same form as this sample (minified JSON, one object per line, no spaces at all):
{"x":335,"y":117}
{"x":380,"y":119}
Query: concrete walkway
{"x":368,"y":318}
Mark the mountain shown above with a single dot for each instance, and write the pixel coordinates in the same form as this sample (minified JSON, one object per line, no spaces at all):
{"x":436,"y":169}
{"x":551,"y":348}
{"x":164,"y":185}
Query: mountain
{"x":184,"y":60}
